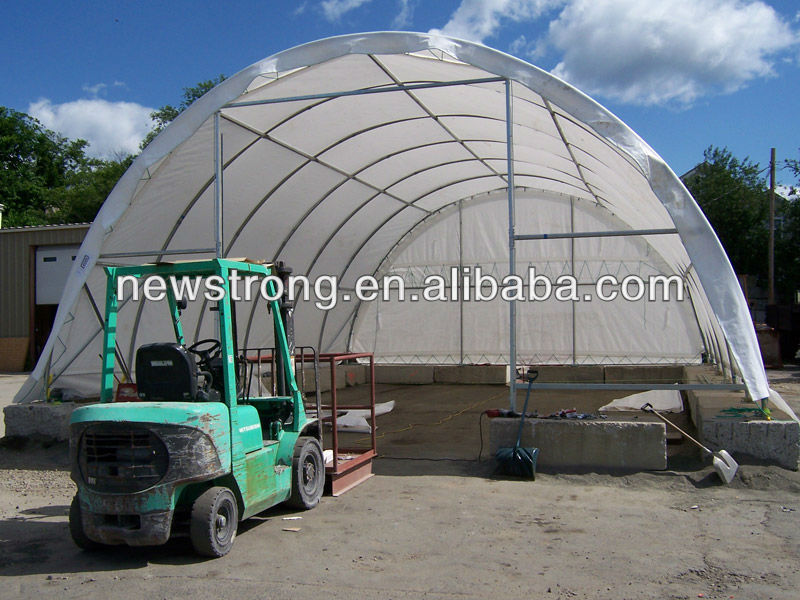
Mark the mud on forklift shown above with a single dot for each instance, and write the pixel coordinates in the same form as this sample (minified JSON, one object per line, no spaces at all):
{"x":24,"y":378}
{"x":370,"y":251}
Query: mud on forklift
{"x":195,"y":452}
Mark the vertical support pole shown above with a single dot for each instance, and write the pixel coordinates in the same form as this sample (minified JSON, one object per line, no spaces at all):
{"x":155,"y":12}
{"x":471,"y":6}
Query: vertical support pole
{"x":771,"y":274}
{"x":461,"y":273}
{"x":512,"y":259}
{"x":217,"y":187}
{"x":109,"y":337}
{"x":572,"y":272}
{"x":217,"y":202}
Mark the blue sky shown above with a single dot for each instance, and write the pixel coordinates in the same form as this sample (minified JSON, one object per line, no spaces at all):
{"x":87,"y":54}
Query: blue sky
{"x":684,"y":74}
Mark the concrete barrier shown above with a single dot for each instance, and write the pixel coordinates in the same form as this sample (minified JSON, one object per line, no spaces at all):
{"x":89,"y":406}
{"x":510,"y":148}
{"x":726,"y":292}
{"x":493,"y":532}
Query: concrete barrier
{"x":474,"y":374}
{"x":353,"y":375}
{"x":776,"y":441}
{"x":703,"y":374}
{"x":569,"y":373}
{"x":38,"y":420}
{"x":346,"y":376}
{"x":404,"y":374}
{"x":644,"y":373}
{"x":595,"y":445}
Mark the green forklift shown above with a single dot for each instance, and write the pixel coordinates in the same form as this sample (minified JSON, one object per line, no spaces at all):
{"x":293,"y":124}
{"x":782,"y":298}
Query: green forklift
{"x":194,"y":452}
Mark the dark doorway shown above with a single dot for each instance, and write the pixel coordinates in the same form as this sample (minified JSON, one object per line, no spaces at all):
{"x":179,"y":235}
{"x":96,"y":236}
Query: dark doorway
{"x":43,"y":317}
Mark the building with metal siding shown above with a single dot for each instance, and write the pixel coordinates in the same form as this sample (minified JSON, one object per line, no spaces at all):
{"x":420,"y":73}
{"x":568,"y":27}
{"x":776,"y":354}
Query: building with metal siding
{"x":23,"y":324}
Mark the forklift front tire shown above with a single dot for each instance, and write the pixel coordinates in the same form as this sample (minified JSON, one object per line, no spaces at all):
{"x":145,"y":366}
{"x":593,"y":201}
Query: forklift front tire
{"x":308,"y":474}
{"x":76,"y":528}
{"x":215,"y":518}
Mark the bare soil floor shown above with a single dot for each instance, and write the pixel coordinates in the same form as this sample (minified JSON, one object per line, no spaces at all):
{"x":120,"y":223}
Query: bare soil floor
{"x":435,"y":523}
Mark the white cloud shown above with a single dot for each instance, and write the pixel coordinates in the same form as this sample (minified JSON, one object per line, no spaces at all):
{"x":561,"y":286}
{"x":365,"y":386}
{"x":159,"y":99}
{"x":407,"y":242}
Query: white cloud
{"x":334,"y":9}
{"x":95,"y":89}
{"x":667,"y":52}
{"x":301,"y":8}
{"x":476,"y":20}
{"x":406,"y":14}
{"x":111,"y":128}
{"x":525,"y":48}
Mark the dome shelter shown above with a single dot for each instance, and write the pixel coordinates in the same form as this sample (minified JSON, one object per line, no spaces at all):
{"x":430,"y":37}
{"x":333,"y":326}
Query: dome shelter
{"x":410,"y":154}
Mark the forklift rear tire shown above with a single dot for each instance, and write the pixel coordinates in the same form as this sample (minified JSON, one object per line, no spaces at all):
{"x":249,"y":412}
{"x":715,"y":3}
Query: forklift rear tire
{"x":308,"y":474}
{"x":76,"y":528}
{"x":215,"y":518}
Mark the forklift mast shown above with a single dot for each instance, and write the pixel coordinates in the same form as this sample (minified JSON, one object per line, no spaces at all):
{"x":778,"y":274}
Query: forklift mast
{"x":282,"y":318}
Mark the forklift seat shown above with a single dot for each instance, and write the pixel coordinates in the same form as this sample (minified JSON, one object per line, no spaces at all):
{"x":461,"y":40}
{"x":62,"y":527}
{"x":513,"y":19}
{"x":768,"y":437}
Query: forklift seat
{"x":165,"y":372}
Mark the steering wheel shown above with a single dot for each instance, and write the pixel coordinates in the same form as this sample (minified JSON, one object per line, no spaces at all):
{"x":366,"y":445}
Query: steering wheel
{"x":206,"y":355}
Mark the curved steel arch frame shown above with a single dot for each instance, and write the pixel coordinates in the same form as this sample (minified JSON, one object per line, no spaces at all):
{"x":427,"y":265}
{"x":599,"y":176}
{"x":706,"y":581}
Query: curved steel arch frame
{"x":708,"y":258}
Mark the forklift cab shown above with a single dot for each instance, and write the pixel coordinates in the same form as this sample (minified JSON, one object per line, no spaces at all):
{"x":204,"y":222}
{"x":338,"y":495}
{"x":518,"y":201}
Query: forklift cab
{"x":170,"y":371}
{"x":165,"y":372}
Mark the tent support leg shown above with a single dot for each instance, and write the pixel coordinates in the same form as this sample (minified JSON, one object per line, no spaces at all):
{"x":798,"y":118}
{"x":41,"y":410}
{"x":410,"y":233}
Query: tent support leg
{"x":512,"y":263}
{"x":217,"y":187}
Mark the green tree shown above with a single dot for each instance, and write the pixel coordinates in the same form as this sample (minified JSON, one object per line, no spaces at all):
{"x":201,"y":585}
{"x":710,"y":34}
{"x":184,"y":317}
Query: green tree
{"x":733,"y":195}
{"x":46,"y":178}
{"x":787,"y":242}
{"x":167,"y":113}
{"x":33,"y":162}
{"x":85,"y":191}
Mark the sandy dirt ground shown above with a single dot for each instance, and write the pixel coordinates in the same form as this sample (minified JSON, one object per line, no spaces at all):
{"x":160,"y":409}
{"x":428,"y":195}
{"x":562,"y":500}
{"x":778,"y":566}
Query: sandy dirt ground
{"x":435,"y":523}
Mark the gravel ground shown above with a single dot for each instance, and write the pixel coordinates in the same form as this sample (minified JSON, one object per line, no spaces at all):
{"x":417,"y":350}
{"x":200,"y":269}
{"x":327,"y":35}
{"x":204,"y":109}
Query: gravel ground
{"x":442,"y":530}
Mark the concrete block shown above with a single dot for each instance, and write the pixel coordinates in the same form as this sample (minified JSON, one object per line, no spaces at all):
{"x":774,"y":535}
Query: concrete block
{"x":772,"y":441}
{"x":702,"y":374}
{"x":466,"y":374}
{"x":324,"y":378}
{"x":404,"y":374}
{"x":573,"y":444}
{"x":39,"y":420}
{"x":643,"y":373}
{"x":353,"y":375}
{"x":776,"y":441}
{"x":709,"y":403}
{"x":569,"y":373}
{"x":309,"y":385}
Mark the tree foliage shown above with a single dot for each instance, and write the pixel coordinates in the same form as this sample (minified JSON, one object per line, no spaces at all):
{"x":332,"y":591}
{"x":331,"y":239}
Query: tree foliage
{"x":167,"y":113}
{"x":46,"y":178}
{"x":787,"y":240}
{"x":733,"y":195}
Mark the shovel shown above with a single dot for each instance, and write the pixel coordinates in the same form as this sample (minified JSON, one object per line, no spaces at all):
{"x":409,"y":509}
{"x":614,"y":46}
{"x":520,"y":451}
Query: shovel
{"x":518,"y":461}
{"x":723,"y":462}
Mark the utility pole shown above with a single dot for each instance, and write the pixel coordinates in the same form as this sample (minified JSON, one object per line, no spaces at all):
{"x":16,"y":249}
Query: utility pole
{"x":771,"y":275}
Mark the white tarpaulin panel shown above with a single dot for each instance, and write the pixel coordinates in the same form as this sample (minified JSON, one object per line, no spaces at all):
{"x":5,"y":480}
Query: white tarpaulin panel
{"x":334,"y":179}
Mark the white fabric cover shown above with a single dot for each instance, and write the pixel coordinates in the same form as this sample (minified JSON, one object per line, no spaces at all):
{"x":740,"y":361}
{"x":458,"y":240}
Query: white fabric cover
{"x":409,"y":183}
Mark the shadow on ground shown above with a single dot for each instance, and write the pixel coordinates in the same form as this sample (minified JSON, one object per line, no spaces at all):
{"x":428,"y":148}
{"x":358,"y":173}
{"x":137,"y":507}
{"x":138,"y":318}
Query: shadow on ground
{"x":38,"y":543}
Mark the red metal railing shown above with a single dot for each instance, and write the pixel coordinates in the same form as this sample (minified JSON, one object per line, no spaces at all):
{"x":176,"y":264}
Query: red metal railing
{"x":350,"y":466}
